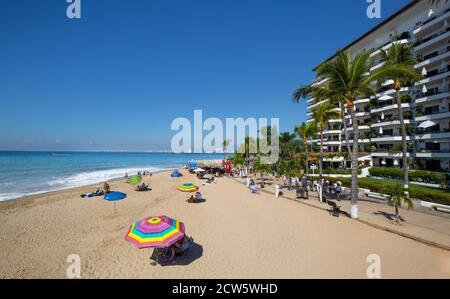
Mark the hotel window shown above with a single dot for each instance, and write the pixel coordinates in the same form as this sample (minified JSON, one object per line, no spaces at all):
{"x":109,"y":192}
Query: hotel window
{"x":431,"y":146}
{"x":431,"y":110}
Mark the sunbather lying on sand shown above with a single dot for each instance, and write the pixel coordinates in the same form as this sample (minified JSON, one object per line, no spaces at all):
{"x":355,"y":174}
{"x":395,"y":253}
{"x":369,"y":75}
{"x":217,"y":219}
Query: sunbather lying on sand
{"x":142,"y":187}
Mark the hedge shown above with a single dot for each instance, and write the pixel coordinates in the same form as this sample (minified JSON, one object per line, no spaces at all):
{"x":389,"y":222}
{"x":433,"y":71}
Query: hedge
{"x":430,"y":194}
{"x":337,"y":171}
{"x":422,"y":176}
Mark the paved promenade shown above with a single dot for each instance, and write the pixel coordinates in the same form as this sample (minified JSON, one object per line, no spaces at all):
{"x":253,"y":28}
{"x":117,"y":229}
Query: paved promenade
{"x":429,"y":228}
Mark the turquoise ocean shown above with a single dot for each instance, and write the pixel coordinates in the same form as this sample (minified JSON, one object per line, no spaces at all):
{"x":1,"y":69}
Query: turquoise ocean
{"x":30,"y":173}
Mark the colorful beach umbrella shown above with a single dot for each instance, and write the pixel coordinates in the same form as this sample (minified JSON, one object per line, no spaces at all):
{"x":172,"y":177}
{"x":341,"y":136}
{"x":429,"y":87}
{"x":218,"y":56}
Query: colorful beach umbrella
{"x":134,"y":180}
{"x":155,"y":232}
{"x":188,"y":188}
{"x":114,"y":196}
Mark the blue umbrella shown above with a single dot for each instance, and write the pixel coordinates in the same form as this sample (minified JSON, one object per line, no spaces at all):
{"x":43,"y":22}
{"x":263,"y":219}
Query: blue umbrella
{"x":192,"y":165}
{"x":114,"y":196}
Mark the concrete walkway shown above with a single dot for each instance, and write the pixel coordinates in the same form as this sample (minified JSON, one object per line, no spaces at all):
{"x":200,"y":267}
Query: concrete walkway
{"x":433,"y":230}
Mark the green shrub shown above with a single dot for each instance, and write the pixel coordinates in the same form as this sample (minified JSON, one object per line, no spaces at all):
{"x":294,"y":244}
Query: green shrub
{"x":423,"y":176}
{"x":430,"y":194}
{"x":338,"y":171}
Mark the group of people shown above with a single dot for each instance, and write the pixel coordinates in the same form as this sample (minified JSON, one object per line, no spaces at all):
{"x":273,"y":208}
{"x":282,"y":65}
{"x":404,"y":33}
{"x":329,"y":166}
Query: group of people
{"x":251,"y":185}
{"x":144,"y":173}
{"x":167,"y":255}
{"x":142,"y":187}
{"x":98,"y":191}
{"x":195,"y":199}
{"x":332,"y":188}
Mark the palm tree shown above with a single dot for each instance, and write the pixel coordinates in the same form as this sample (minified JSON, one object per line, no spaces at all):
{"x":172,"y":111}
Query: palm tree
{"x":225,"y":145}
{"x":397,"y":197}
{"x":349,"y":78}
{"x":399,"y":67}
{"x":322,"y":116}
{"x":305,"y":131}
{"x":262,"y":169}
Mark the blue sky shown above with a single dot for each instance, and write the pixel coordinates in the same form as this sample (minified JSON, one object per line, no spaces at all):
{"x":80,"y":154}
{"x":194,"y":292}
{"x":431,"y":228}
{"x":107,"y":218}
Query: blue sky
{"x":116,"y":78}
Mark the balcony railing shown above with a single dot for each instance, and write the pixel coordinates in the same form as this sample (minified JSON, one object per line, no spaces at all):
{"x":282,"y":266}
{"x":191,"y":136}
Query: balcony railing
{"x":423,"y":41}
{"x":431,"y":19}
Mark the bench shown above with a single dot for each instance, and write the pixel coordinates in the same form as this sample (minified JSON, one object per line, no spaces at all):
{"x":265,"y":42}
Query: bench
{"x":441,"y":209}
{"x":335,"y":210}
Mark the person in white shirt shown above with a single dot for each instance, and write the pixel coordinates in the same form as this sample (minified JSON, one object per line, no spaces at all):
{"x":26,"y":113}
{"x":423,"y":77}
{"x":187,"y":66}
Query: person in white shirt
{"x":277,"y":190}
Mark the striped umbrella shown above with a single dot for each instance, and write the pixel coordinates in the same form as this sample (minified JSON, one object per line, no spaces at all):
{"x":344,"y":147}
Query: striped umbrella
{"x":155,"y":232}
{"x":188,"y":188}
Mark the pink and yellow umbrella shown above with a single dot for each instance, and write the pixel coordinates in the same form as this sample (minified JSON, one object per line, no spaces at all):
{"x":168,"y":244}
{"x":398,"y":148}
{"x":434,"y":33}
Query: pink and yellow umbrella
{"x":155,"y":232}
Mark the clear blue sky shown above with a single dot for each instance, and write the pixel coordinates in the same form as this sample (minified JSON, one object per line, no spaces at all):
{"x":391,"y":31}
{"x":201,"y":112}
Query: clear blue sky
{"x":116,"y":78}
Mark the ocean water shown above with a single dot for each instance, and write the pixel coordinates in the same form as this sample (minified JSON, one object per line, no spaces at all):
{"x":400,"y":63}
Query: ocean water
{"x":30,"y":173}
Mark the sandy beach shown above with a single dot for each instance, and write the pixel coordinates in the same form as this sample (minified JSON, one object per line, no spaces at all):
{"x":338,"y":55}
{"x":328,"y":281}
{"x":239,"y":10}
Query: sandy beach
{"x":236,"y":234}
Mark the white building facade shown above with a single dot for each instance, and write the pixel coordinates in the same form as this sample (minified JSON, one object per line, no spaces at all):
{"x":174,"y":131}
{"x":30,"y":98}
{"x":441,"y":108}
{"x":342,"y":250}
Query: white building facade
{"x":426,"y":105}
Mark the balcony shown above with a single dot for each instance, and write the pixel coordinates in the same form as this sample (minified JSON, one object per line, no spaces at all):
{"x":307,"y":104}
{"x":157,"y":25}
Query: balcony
{"x":390,"y":107}
{"x":360,"y":127}
{"x":428,"y":24}
{"x":361,"y":101}
{"x":433,"y":154}
{"x":389,"y":91}
{"x":334,"y":142}
{"x":317,"y":104}
{"x":384,"y":154}
{"x":434,"y":135}
{"x":387,"y":46}
{"x":432,"y":58}
{"x":432,"y":97}
{"x":439,"y":75}
{"x":330,"y":132}
{"x":425,"y":43}
{"x":389,"y":123}
{"x":433,"y":116}
{"x":377,"y":65}
{"x":320,"y":82}
{"x":359,"y":115}
{"x":390,"y":138}
{"x":360,"y":141}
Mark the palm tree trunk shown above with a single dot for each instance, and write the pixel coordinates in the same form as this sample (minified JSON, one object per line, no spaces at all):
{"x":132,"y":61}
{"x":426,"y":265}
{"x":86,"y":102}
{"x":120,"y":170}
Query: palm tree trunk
{"x":404,"y":145}
{"x":321,"y":153}
{"x":397,"y":216}
{"x":355,"y":165}
{"x":262,"y":180}
{"x":307,"y":156}
{"x":347,"y":139}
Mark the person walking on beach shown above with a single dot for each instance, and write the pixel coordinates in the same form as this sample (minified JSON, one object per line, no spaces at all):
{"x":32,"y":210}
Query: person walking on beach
{"x":277,"y":190}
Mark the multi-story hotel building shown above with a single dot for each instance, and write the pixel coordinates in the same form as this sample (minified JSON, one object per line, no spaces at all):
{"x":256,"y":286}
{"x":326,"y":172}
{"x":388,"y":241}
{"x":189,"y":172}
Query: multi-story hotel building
{"x":426,"y":105}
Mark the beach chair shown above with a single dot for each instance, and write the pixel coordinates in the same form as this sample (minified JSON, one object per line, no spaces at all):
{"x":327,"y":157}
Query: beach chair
{"x":160,"y":256}
{"x":335,"y":210}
